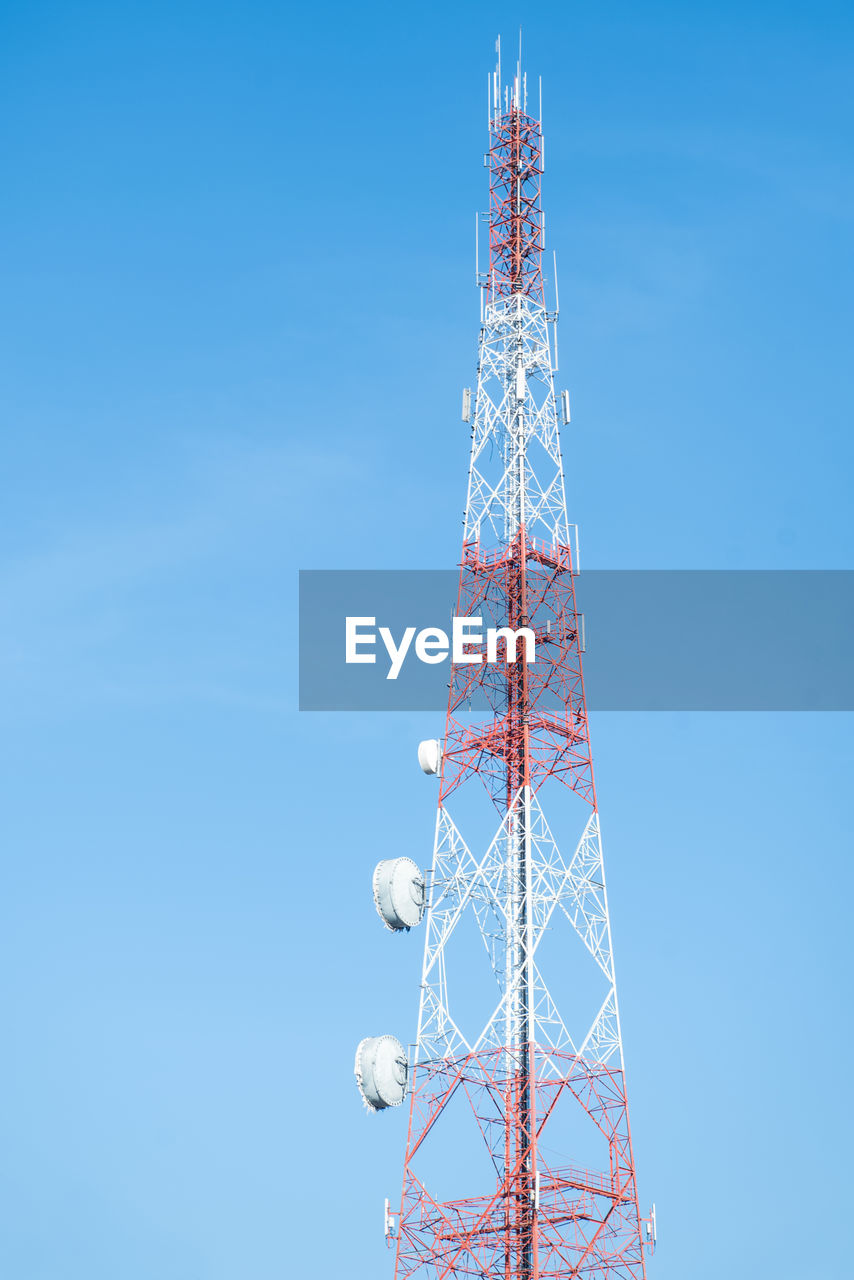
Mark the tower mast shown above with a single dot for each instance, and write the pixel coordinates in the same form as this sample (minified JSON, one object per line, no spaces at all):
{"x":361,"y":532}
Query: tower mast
{"x":535,"y":1081}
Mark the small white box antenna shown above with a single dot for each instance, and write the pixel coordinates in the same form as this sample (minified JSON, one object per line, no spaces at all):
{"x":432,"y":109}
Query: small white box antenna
{"x":389,"y":1220}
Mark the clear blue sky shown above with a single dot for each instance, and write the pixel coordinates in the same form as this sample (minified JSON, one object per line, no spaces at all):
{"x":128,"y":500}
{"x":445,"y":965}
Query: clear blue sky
{"x":237,"y":312}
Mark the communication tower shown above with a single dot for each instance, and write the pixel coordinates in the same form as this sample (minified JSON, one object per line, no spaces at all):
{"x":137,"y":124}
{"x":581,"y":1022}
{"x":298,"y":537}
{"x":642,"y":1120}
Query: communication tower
{"x":519,"y":1156}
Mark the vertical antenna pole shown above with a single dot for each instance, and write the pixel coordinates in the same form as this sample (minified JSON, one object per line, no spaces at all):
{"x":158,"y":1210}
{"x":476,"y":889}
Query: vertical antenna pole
{"x":557,"y":313}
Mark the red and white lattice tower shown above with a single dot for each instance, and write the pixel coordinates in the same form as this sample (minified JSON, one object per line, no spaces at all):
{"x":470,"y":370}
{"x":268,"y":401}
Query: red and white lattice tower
{"x":519,"y":1156}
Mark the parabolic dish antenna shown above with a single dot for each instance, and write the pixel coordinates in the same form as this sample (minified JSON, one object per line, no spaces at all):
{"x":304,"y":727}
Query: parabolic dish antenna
{"x":381,"y":1072}
{"x":399,"y":893}
{"x":430,"y":755}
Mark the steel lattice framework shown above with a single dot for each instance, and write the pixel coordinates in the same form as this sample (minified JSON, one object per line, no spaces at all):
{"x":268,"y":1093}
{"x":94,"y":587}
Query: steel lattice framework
{"x":529,"y":1087}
